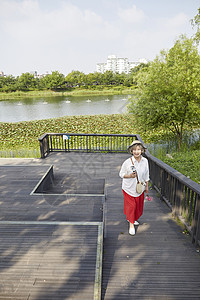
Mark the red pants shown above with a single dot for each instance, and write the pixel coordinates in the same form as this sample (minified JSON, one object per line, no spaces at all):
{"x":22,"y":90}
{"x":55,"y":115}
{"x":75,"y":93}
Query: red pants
{"x":133,"y":207}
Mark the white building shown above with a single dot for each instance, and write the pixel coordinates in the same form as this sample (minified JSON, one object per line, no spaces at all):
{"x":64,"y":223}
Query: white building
{"x":119,"y":65}
{"x":36,"y":75}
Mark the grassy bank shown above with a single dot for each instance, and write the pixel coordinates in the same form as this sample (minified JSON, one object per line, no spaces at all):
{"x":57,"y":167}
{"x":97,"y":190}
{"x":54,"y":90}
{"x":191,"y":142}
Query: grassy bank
{"x":21,"y":139}
{"x":187,"y":163}
{"x":74,"y":92}
{"x":21,"y":134}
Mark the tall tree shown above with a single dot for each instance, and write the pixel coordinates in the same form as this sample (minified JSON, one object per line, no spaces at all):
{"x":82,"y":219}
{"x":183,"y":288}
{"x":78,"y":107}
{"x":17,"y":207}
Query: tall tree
{"x":75,"y":78}
{"x":196,"y":23}
{"x":26,"y":82}
{"x":108,"y":78}
{"x":93,"y":79}
{"x":8,"y":83}
{"x":168,"y":91}
{"x":53,"y":81}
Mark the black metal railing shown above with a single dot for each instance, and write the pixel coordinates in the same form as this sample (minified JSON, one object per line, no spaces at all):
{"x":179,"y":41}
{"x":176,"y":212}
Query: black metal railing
{"x":180,"y":193}
{"x":65,"y":142}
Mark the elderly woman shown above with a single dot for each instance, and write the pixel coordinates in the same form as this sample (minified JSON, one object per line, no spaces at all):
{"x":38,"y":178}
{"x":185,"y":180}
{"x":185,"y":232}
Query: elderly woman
{"x":134,"y":169}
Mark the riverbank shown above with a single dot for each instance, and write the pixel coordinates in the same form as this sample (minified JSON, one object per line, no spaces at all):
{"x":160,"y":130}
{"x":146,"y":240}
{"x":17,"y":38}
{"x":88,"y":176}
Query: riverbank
{"x":74,"y":92}
{"x":26,"y":133}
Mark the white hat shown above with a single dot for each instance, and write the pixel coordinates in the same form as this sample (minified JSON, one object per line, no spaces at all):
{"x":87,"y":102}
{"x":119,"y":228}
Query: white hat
{"x":136,"y":142}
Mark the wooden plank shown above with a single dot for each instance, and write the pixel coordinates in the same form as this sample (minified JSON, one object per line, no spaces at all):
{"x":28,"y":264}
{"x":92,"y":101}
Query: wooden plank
{"x":43,"y":260}
{"x":17,"y":203}
{"x":159,"y":262}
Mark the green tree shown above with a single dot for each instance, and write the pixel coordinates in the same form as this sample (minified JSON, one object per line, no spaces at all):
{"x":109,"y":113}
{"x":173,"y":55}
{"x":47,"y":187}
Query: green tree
{"x":99,"y":78}
{"x":75,"y":78}
{"x":139,"y":67}
{"x":26,"y":82}
{"x":136,"y":71}
{"x":121,"y":79}
{"x":8,"y":84}
{"x":53,"y":81}
{"x":196,"y":23}
{"x":94,"y":79}
{"x":108,"y":78}
{"x":168,"y":91}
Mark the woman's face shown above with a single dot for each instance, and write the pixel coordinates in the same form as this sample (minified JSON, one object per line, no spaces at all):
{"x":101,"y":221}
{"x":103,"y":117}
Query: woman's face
{"x":137,"y":151}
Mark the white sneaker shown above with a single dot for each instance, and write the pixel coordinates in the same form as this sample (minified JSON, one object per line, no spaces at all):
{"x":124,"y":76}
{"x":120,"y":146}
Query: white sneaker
{"x":132,"y":231}
{"x":136,"y":223}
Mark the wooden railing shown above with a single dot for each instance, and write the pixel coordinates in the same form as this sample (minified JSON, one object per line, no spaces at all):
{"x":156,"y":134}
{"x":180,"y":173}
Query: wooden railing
{"x":65,"y":142}
{"x":180,"y":193}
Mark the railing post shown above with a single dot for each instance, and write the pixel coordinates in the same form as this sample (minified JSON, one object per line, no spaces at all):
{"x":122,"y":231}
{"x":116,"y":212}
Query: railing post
{"x":197,"y":235}
{"x":41,"y":148}
{"x":196,"y":222}
{"x":44,"y":145}
{"x":162,"y":183}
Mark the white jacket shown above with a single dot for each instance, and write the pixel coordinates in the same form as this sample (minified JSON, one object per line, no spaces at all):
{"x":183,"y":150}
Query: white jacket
{"x":142,"y":168}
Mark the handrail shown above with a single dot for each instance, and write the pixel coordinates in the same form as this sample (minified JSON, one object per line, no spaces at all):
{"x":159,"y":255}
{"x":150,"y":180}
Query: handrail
{"x":180,"y":193}
{"x":79,"y":142}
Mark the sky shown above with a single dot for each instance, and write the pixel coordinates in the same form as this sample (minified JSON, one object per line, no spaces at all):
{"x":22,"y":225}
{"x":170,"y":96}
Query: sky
{"x":67,"y":35}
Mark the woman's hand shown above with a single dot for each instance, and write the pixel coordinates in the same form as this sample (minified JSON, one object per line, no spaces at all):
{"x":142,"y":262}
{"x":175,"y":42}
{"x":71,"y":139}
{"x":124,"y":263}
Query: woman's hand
{"x":147,"y":187}
{"x":132,"y":175}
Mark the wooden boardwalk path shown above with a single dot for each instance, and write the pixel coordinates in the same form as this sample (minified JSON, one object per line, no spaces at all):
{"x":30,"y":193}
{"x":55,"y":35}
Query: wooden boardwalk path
{"x":47,"y":253}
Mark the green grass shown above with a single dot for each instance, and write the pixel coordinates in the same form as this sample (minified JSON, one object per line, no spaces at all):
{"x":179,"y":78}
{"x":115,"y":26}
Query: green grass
{"x":26,"y":133}
{"x":187,"y":163}
{"x":21,"y":135}
{"x":73,"y":92}
{"x":20,"y":153}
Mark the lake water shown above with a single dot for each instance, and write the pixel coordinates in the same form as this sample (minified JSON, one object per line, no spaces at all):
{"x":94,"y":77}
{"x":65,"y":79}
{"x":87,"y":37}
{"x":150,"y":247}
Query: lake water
{"x":53,"y":107}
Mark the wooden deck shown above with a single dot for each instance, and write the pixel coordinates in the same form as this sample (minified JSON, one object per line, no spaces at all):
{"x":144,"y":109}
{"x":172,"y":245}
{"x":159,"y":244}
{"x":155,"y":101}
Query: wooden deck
{"x":50,"y":243}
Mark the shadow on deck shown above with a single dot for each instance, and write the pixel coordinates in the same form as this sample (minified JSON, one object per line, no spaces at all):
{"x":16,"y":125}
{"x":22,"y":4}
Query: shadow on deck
{"x":50,"y":243}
